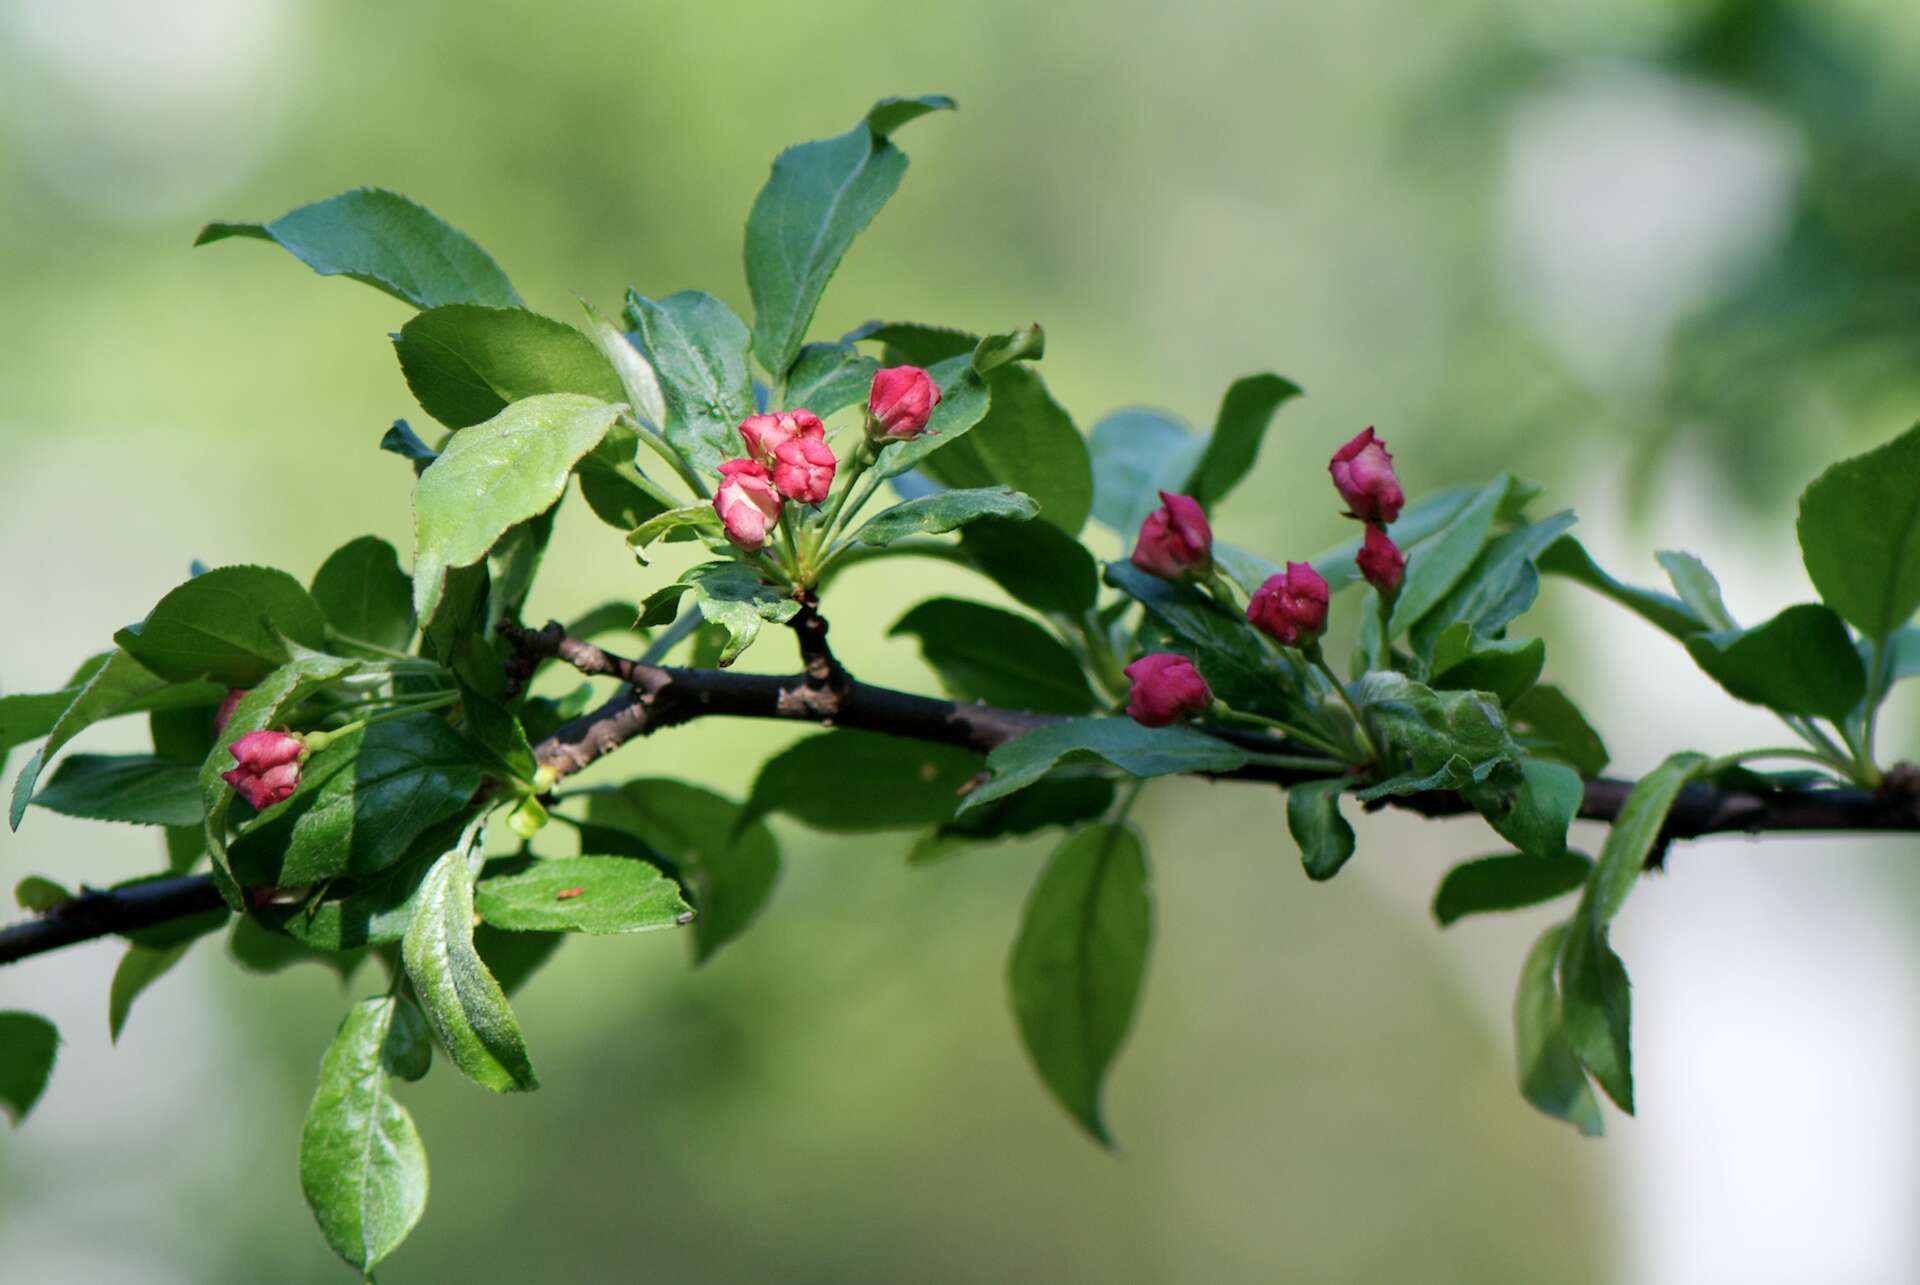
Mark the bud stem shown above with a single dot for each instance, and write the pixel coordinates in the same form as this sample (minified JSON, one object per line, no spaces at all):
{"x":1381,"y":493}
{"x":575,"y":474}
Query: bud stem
{"x":1319,"y":661}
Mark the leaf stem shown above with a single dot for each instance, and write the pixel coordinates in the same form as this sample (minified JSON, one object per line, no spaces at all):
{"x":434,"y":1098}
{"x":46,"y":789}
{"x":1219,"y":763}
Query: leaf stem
{"x":1319,"y":661}
{"x":675,"y":461}
{"x":1343,"y":754}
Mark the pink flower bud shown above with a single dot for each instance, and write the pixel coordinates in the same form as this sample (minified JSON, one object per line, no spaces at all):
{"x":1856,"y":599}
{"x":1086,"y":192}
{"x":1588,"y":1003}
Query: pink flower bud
{"x":1363,"y":474}
{"x":763,"y":434}
{"x":224,"y":715}
{"x":1291,"y":608}
{"x":1166,"y":689}
{"x":747,"y":504}
{"x":1380,"y":560}
{"x":803,"y":469}
{"x":1175,"y":541}
{"x":269,"y":768}
{"x":902,"y":399}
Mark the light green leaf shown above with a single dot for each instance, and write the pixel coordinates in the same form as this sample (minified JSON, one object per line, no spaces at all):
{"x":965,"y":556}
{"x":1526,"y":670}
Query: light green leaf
{"x":466,"y":364}
{"x":29,"y":1044}
{"x":139,"y":789}
{"x":230,"y":625}
{"x":1027,"y":343}
{"x":1568,"y":557}
{"x":731,"y":596}
{"x":943,"y":511}
{"x":1314,"y":820}
{"x":698,"y":349}
{"x":984,"y":653}
{"x":1442,"y":562}
{"x":593,"y":894}
{"x":1860,"y":535}
{"x":1245,"y":412}
{"x":1027,"y":441}
{"x":466,"y":1007}
{"x":37,"y":896}
{"x":1496,"y":589}
{"x":1141,"y":751}
{"x":1419,"y":522}
{"x":1137,"y":453}
{"x":1800,"y":662}
{"x":365,"y":596}
{"x":688,"y":522}
{"x":1697,"y":587}
{"x":1551,"y":1077}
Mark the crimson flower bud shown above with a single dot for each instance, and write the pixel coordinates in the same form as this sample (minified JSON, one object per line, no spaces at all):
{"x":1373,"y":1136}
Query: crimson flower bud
{"x":269,"y":767}
{"x":803,"y":469}
{"x":1380,"y":560}
{"x":1363,"y":474}
{"x":763,"y":434}
{"x":1291,"y":608}
{"x":1166,"y":689}
{"x":902,"y":399}
{"x":747,"y":504}
{"x":224,"y":715}
{"x":1175,"y":541}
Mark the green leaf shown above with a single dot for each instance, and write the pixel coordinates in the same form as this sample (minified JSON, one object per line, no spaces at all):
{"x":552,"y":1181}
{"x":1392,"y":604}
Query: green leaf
{"x":1593,"y":982}
{"x":401,"y":440}
{"x":1514,"y":881}
{"x":495,"y":476}
{"x":1027,"y":441}
{"x":593,"y":894}
{"x":731,"y":596}
{"x":408,"y":1050}
{"x":916,"y":343}
{"x":727,"y":866}
{"x":1419,"y":522}
{"x":230,"y":625}
{"x":819,"y":197}
{"x":1242,"y":671}
{"x":37,"y":896}
{"x":1442,"y":562}
{"x":698,"y":348}
{"x":1860,"y":535}
{"x":466,"y":364}
{"x":1551,"y":1077}
{"x":964,"y":401}
{"x":1140,"y":751}
{"x":688,"y":522}
{"x":1568,"y":557}
{"x":901,"y":785}
{"x":362,"y":803}
{"x":362,"y":1166}
{"x":365,"y":596}
{"x":1496,"y":589}
{"x":1314,"y":820}
{"x":1059,"y":800}
{"x":1697,"y":588}
{"x":1530,"y":806}
{"x":264,"y":950}
{"x":1553,"y":725}
{"x":354,"y":913}
{"x":383,"y":239}
{"x":1245,"y":412}
{"x":943,"y":511}
{"x":496,"y":729}
{"x":1800,"y":662}
{"x":139,"y":968}
{"x":829,"y":377}
{"x":1035,"y":563}
{"x":1027,"y":343}
{"x":1138,"y":453}
{"x":639,"y":382}
{"x":1433,"y":740}
{"x":29,"y":1044}
{"x":1075,"y":973}
{"x":513,"y":958}
{"x":1507,"y":667}
{"x":463,"y":1002}
{"x":986,"y":654}
{"x":139,"y":789}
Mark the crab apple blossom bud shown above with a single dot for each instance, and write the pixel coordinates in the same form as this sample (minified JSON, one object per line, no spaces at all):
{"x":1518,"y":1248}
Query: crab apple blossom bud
{"x":1175,"y":541}
{"x":269,"y":767}
{"x":224,"y":715}
{"x":1363,"y":474}
{"x":1380,"y":560}
{"x":803,"y":469}
{"x":902,"y":399}
{"x":763,"y":434}
{"x":1166,"y":689}
{"x":747,"y":504}
{"x":1291,"y":608}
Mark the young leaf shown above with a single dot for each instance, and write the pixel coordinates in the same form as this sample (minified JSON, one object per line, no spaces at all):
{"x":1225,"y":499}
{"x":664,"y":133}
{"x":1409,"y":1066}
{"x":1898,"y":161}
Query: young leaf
{"x":466,"y":364}
{"x":1800,"y":662}
{"x":698,"y":349}
{"x":1568,"y":557}
{"x":900,"y":785}
{"x":362,"y":1166}
{"x":139,"y":789}
{"x":29,"y":1044}
{"x":731,"y":596}
{"x":1075,"y":972}
{"x":1026,"y":440}
{"x":495,"y":476}
{"x":386,"y":241}
{"x":365,"y":596}
{"x":1696,"y":587}
{"x":1514,"y":881}
{"x":819,"y":197}
{"x":1530,"y":806}
{"x":1860,"y":535}
{"x":1551,"y":1077}
{"x":1245,"y":412}
{"x":1141,"y":751}
{"x":1435,"y":740}
{"x":1138,"y":453}
{"x":230,"y":626}
{"x":465,"y":1005}
{"x":1553,"y":725}
{"x":37,"y":895}
{"x":1314,"y":820}
{"x":593,"y":894}
{"x":984,"y":653}
{"x":829,"y":377}
{"x":639,"y":382}
{"x":944,"y":511}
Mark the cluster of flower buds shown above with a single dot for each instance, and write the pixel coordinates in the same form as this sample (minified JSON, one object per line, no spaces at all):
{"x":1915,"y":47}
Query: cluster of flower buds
{"x":1166,"y":689}
{"x":1363,"y":474}
{"x":269,"y":766}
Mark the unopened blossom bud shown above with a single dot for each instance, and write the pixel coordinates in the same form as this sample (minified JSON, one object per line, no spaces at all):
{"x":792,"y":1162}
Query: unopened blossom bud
{"x":224,"y":715}
{"x":763,"y":434}
{"x":1291,"y":608}
{"x":1381,"y":561}
{"x":269,"y":767}
{"x":803,"y":469}
{"x":898,"y":407}
{"x":1175,"y":541}
{"x":1166,"y":689}
{"x":747,"y":504}
{"x":1363,"y":474}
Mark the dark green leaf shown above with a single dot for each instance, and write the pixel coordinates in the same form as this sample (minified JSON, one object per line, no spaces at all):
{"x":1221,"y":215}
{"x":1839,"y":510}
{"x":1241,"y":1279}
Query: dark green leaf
{"x":1568,"y":557}
{"x":514,"y":957}
{"x":364,"y":594}
{"x":1554,"y":724}
{"x":1141,"y":751}
{"x":1245,"y":412}
{"x":139,"y":968}
{"x":986,"y":654}
{"x":818,"y":198}
{"x":943,"y":511}
{"x":1138,"y":453}
{"x":1027,"y":441}
{"x":915,"y":343}
{"x":386,"y":241}
{"x":260,"y":949}
{"x":901,"y":785}
{"x":408,"y":1050}
{"x":463,"y":1002}
{"x":1036,"y":563}
{"x":29,"y":1044}
{"x":1860,"y":535}
{"x":1510,"y":882}
{"x":1314,"y":820}
{"x":1530,"y":806}
{"x":592,"y":894}
{"x":1059,"y":800}
{"x":1499,"y":585}
{"x":494,"y":728}
{"x":1696,"y":587}
{"x":140,"y":789}
{"x":698,"y":348}
{"x":362,"y":1165}
{"x":829,"y":377}
{"x":1442,"y":562}
{"x":1507,"y":667}
{"x":230,"y":626}
{"x":1075,"y":973}
{"x":1550,"y":1075}
{"x":466,"y":363}
{"x":1800,"y":662}
{"x":364,"y":912}
{"x":687,"y":522}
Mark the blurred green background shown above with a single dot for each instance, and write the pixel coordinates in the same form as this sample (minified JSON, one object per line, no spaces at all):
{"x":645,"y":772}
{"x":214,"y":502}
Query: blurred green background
{"x":1662,"y":256}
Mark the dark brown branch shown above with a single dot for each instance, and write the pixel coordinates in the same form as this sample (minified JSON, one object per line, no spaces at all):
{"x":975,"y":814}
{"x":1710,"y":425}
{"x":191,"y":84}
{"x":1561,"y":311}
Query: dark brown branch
{"x":95,"y":913}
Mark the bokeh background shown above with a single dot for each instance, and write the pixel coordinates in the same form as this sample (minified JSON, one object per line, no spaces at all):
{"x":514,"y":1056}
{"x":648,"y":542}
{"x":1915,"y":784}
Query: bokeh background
{"x":1662,"y":256}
